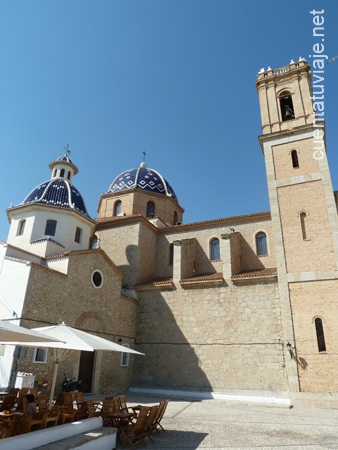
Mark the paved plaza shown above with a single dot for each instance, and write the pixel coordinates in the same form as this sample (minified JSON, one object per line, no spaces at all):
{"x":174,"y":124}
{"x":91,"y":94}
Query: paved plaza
{"x":216,"y":424}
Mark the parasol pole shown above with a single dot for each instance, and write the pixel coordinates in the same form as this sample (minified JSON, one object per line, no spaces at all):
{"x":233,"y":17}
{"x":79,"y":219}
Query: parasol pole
{"x":52,"y":389}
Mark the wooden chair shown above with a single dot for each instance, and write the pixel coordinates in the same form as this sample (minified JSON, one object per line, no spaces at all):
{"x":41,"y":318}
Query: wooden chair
{"x":19,"y":424}
{"x":92,"y":408}
{"x":151,"y":418}
{"x":38,"y":420}
{"x":14,"y":391}
{"x":110,"y":406}
{"x":82,"y":411}
{"x":161,"y":410}
{"x":11,"y":427}
{"x":78,"y":397}
{"x":21,"y":399}
{"x":123,"y":404}
{"x":66,"y":416}
{"x":64,"y":399}
{"x":8,"y":403}
{"x":42,"y":403}
{"x":52,"y":418}
{"x":66,"y":413}
{"x":134,"y":433}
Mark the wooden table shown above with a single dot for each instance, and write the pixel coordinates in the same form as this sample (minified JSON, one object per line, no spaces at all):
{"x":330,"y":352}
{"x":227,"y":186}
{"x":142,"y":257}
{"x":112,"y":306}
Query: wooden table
{"x":3,"y":395}
{"x":118,"y":419}
{"x":4,"y":417}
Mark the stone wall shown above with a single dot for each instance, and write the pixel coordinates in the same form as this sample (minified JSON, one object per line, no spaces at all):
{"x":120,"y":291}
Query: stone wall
{"x":122,"y":247}
{"x":244,"y":248}
{"x":222,"y":339}
{"x":317,"y":370}
{"x":53,"y":297}
{"x":316,"y":251}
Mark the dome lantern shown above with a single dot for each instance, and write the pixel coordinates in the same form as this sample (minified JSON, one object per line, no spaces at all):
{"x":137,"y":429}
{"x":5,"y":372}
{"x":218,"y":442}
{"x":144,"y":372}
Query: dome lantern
{"x":63,"y":168}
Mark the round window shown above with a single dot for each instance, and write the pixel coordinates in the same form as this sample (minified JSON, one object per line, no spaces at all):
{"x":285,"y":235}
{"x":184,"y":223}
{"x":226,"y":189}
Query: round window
{"x":97,"y":279}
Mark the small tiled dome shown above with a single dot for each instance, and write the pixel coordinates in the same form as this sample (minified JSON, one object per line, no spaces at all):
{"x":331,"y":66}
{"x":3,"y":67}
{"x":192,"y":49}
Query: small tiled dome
{"x":144,"y":179}
{"x":57,"y":192}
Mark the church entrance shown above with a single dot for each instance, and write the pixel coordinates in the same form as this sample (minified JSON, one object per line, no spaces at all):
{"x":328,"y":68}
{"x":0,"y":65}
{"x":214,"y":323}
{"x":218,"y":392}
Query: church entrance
{"x":86,"y":370}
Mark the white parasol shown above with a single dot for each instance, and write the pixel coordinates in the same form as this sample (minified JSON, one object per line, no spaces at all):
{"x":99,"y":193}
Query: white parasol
{"x":12,"y":334}
{"x":74,"y":339}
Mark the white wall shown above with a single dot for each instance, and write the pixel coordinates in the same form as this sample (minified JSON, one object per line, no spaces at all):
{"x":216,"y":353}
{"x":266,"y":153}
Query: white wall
{"x":13,"y":284}
{"x":36,"y":219}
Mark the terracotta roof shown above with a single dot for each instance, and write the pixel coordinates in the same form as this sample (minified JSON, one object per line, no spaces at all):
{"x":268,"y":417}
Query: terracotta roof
{"x":208,"y":279}
{"x":224,"y":221}
{"x":256,"y":273}
{"x":155,"y":283}
{"x":218,"y":276}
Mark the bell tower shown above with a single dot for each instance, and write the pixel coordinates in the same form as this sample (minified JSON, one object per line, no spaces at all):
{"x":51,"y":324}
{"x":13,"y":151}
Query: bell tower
{"x":303,"y":213}
{"x":285,"y":97}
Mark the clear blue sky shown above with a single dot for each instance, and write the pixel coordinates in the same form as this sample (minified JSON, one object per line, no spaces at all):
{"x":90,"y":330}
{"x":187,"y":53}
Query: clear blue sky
{"x":174,"y":78}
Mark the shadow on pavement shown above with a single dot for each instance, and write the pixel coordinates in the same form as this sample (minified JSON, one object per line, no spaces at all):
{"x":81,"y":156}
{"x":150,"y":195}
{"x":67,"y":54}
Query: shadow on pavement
{"x":171,"y":439}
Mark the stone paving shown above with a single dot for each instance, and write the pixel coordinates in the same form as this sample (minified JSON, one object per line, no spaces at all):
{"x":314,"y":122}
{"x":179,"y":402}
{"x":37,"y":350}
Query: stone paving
{"x":216,"y":424}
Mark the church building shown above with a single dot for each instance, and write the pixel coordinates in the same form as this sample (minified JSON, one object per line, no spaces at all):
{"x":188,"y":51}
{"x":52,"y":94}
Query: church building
{"x":240,"y":307}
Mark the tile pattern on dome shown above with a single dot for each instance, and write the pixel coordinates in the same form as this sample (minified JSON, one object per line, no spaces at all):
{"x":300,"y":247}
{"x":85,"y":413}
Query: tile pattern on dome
{"x":57,"y":193}
{"x":147,"y":180}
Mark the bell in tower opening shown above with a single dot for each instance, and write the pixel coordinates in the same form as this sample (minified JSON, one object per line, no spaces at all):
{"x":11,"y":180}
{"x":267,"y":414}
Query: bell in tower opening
{"x":286,"y":107}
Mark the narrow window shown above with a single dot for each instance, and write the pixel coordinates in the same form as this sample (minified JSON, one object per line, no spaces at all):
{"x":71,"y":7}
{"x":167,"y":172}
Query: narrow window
{"x":303,"y":220}
{"x":320,"y":335}
{"x":294,"y":157}
{"x":94,"y":243}
{"x":68,"y":175}
{"x":261,"y":245}
{"x":62,"y":173}
{"x":118,"y":208}
{"x":171,"y":254}
{"x":21,"y":227}
{"x":286,"y":107}
{"x":40,"y":355}
{"x":54,"y":172}
{"x":50,"y":228}
{"x":150,"y":209}
{"x":125,"y":357}
{"x":78,"y":235}
{"x":175,"y":218}
{"x":214,"y":250}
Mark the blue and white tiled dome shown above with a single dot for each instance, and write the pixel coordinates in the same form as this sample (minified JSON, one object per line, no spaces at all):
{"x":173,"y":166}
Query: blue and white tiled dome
{"x":144,"y":179}
{"x":57,"y":192}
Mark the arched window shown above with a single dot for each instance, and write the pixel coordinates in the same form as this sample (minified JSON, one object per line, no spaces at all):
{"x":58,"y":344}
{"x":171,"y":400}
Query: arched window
{"x":175,"y":218}
{"x":294,"y":157}
{"x":303,"y":220}
{"x":320,"y":334}
{"x":214,"y":250}
{"x":21,"y":227}
{"x":150,"y":209}
{"x":68,"y":175}
{"x":54,"y":172}
{"x":62,"y":173}
{"x":286,"y":106}
{"x":261,"y":245}
{"x":50,"y":228}
{"x":118,"y":208}
{"x":171,"y":254}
